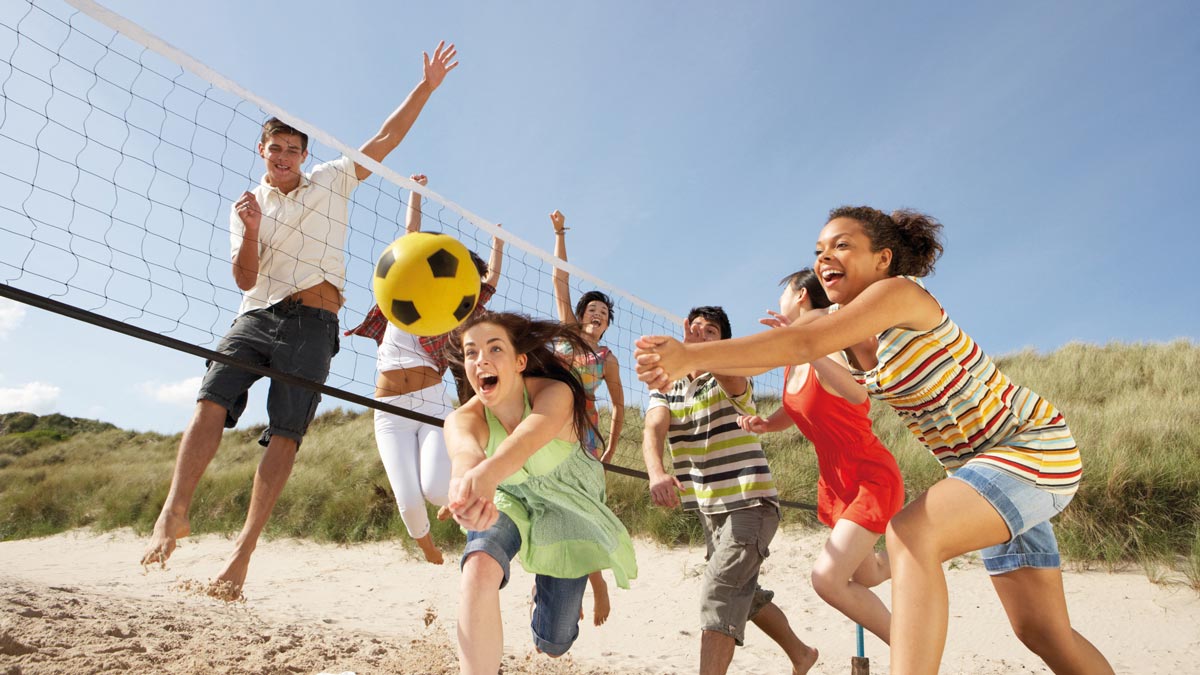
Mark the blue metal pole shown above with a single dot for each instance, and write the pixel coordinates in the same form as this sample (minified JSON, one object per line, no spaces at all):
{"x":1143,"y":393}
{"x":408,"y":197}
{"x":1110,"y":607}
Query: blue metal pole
{"x":859,"y":631}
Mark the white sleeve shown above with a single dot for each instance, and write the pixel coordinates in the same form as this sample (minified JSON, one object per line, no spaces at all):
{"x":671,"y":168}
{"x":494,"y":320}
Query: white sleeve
{"x":337,"y":175}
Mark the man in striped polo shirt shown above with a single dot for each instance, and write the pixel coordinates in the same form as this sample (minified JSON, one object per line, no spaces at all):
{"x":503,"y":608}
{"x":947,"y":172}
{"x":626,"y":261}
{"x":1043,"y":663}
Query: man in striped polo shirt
{"x":720,"y":471}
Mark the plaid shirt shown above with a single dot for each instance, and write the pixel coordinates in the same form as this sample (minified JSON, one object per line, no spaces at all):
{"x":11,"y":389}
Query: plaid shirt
{"x":375,"y":323}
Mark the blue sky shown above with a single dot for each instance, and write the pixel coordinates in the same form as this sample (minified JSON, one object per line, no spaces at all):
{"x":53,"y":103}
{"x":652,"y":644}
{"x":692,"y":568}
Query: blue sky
{"x":1059,"y":144}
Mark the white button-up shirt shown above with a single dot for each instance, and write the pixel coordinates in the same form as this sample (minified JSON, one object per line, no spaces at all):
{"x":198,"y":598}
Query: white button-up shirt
{"x":302,"y":236}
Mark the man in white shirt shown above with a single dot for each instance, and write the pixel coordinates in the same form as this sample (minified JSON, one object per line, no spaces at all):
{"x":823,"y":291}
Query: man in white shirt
{"x":287,"y":238}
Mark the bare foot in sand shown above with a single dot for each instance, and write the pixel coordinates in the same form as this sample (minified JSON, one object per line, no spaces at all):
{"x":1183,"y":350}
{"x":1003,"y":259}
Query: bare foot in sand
{"x":225,"y":591}
{"x":432,"y":554}
{"x":228,"y":584}
{"x":600,"y":604}
{"x":167,"y":529}
{"x":806,"y":661}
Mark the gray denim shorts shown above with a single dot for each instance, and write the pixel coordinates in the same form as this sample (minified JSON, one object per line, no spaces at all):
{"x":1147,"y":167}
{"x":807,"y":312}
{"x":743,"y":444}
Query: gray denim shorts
{"x":288,"y":336}
{"x":738,"y":543}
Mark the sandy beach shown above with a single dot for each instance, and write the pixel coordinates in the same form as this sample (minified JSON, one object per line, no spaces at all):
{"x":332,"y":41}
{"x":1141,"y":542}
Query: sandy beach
{"x":80,"y":603}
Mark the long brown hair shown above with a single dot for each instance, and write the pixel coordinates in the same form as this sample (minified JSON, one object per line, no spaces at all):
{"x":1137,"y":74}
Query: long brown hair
{"x":535,"y":338}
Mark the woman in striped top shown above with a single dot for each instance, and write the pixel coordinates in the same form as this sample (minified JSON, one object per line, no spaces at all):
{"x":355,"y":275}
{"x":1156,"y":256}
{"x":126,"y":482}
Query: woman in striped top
{"x":1012,"y":459}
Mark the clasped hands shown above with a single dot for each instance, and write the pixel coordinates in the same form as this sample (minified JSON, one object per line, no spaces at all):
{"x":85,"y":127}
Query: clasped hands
{"x":472,"y":498}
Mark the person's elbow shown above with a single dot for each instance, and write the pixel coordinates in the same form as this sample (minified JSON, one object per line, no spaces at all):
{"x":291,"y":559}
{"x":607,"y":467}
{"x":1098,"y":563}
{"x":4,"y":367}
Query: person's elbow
{"x":244,"y":280}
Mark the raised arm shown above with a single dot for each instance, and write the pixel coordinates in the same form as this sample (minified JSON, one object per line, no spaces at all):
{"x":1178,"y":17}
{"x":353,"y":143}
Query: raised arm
{"x":396,"y":126}
{"x":616,"y":396}
{"x":884,"y":304}
{"x":495,"y":261}
{"x":562,"y":285}
{"x":412,"y":219}
{"x":664,"y":487}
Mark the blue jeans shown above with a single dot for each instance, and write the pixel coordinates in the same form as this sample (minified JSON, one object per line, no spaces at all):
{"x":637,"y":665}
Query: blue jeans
{"x":1026,"y":510}
{"x":557,"y":602}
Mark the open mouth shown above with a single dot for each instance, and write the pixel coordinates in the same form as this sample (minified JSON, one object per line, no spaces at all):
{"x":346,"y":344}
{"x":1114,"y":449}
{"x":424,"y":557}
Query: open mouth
{"x":830,"y":276}
{"x":487,"y":383}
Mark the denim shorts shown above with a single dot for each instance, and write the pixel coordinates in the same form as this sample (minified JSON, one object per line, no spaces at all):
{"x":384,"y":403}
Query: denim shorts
{"x":1026,"y":511}
{"x":287,"y":336}
{"x":557,"y":602}
{"x":737,"y":544}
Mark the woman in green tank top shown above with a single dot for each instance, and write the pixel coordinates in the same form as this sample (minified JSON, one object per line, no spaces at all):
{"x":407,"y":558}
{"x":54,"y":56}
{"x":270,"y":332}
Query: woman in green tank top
{"x":523,"y":486}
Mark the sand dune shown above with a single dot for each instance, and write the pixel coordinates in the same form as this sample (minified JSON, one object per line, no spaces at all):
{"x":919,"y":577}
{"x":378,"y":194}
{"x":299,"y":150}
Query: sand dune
{"x":80,"y":603}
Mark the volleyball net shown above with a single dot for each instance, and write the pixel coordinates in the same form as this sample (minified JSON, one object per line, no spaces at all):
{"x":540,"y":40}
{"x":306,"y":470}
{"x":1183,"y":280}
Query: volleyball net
{"x":123,"y":156}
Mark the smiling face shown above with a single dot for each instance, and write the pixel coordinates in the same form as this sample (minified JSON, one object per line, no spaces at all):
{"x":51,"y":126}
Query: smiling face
{"x":595,"y":319}
{"x":845,"y":262}
{"x":283,"y":154}
{"x":492,"y":364}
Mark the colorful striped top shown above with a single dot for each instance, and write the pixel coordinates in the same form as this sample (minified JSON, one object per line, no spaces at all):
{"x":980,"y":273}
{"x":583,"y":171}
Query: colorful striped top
{"x":960,"y":406}
{"x":722,"y":468}
{"x":589,"y":370}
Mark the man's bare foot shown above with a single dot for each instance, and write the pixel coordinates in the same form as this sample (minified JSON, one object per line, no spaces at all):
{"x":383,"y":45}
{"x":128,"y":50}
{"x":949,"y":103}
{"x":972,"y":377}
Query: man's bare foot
{"x":226,"y":591}
{"x":228,"y":584}
{"x":807,"y":660}
{"x":167,"y":529}
{"x":600,"y":603}
{"x":432,"y":554}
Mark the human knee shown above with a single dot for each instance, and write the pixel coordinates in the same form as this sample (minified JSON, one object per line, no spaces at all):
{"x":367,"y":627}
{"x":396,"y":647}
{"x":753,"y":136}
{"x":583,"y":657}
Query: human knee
{"x":481,"y":570}
{"x":906,"y":537}
{"x":825,"y":581}
{"x":1035,"y":638}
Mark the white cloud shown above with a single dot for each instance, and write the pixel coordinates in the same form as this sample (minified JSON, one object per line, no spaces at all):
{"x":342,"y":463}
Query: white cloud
{"x":173,"y":393}
{"x":38,"y":398}
{"x":12,"y":313}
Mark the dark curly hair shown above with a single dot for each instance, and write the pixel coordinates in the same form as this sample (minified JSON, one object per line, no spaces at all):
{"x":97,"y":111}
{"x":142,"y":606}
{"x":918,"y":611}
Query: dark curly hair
{"x":535,"y":338}
{"x":913,"y":237}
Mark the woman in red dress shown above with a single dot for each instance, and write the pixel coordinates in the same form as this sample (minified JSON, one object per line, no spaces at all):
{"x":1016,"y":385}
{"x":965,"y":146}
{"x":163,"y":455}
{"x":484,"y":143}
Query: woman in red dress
{"x":860,"y":487}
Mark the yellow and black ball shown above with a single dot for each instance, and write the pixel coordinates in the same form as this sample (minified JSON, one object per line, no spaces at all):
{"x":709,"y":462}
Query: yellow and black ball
{"x":426,"y":284}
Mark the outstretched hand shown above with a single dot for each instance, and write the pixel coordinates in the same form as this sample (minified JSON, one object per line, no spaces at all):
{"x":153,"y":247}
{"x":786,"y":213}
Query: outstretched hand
{"x":660,"y":360}
{"x":419,"y":179}
{"x":437,"y":67}
{"x":775,"y":320}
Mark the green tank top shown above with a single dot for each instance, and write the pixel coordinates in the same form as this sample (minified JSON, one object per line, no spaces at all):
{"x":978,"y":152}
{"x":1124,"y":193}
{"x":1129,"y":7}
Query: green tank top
{"x":556,"y":500}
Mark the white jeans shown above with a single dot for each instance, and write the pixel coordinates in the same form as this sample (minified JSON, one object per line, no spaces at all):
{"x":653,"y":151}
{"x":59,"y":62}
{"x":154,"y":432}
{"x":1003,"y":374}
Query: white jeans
{"x":414,"y":455}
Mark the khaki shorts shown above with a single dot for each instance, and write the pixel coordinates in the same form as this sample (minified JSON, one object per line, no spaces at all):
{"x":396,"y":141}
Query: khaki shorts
{"x":737,"y":544}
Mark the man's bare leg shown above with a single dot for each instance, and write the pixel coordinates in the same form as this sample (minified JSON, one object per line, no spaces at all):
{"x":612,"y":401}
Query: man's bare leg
{"x":197,"y":448}
{"x":772,"y":621}
{"x":716,"y":651}
{"x":269,"y":479}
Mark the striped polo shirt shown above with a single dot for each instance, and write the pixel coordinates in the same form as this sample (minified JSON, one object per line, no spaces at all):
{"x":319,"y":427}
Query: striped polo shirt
{"x":721,"y":467}
{"x":960,"y":406}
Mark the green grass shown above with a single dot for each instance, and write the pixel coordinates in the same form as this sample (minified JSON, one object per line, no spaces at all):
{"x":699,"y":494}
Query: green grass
{"x":1133,"y":409}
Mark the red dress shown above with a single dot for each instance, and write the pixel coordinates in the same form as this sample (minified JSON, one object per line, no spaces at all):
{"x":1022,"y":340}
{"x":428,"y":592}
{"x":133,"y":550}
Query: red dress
{"x":860,"y":480}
